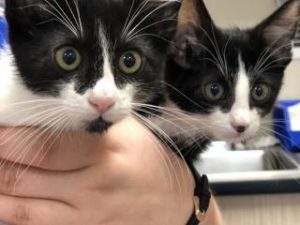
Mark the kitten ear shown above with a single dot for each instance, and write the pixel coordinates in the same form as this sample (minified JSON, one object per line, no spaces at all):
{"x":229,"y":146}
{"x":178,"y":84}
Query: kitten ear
{"x":23,"y":14}
{"x":279,"y":29}
{"x":164,"y":13}
{"x":193,"y":17}
{"x":194,"y":12}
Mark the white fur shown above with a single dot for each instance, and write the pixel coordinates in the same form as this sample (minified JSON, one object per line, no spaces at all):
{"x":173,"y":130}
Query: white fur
{"x":222,"y":124}
{"x":1,"y":11}
{"x":216,"y":125}
{"x":176,"y":122}
{"x":106,"y":87}
{"x":240,"y":112}
{"x":19,"y":106}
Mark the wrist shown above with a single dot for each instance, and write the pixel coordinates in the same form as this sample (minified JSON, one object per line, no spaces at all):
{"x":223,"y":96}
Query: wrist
{"x":183,"y":195}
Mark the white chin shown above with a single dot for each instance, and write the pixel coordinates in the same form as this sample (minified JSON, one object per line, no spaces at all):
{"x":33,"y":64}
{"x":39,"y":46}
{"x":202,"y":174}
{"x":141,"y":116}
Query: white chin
{"x":115,"y":117}
{"x":237,"y":138}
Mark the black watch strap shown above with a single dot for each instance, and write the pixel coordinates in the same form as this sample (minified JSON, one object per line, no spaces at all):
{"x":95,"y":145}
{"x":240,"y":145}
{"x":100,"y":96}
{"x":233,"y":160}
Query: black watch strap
{"x":202,"y":197}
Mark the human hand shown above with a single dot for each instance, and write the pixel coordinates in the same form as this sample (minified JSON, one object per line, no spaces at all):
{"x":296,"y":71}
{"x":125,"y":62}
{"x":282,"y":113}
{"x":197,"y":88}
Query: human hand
{"x":124,"y":176}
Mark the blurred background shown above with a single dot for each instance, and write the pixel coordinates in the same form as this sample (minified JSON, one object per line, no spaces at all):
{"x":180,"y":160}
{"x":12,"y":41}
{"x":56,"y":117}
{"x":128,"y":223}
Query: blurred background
{"x":260,"y":185}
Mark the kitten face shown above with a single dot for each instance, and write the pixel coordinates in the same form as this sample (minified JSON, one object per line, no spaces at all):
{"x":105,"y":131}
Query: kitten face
{"x":85,"y":64}
{"x":229,"y":79}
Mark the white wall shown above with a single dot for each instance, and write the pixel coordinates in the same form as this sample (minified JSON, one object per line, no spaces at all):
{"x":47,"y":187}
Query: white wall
{"x":243,"y":13}
{"x":247,"y":13}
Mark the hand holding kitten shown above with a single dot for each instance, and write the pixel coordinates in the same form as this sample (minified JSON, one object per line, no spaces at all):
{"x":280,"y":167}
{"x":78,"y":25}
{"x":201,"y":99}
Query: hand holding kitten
{"x":122,"y":177}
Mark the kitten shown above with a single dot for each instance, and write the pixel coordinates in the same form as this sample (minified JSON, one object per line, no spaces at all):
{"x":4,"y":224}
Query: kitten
{"x":225,"y":80}
{"x":83,"y":64}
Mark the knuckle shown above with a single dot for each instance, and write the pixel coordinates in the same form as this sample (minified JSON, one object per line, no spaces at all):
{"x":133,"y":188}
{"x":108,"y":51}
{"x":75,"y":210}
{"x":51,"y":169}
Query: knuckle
{"x":21,"y":215}
{"x":8,"y":179}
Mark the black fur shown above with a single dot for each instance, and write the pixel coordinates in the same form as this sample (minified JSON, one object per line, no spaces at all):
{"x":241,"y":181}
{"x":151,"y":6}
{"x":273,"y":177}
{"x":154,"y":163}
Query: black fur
{"x":98,"y":125}
{"x":191,"y":66}
{"x":35,"y":35}
{"x":189,"y":151}
{"x":191,"y":63}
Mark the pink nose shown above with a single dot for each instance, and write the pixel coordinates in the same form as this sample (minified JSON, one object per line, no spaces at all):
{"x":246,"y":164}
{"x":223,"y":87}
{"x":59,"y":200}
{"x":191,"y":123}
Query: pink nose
{"x":102,"y":104}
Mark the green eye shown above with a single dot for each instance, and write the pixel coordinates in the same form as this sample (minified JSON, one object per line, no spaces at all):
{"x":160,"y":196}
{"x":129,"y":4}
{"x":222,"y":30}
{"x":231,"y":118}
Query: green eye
{"x":214,"y":91}
{"x":68,"y":58}
{"x":130,"y":62}
{"x":261,"y":93}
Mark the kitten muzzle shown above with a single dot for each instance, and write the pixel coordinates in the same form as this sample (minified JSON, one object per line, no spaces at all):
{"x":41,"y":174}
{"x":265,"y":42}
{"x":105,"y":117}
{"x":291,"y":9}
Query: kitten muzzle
{"x":98,"y":126}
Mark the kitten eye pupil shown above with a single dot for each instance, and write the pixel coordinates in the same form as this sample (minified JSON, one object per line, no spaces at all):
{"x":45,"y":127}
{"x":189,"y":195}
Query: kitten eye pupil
{"x":261,"y":93}
{"x":214,"y":91}
{"x":129,"y":60}
{"x":69,"y":57}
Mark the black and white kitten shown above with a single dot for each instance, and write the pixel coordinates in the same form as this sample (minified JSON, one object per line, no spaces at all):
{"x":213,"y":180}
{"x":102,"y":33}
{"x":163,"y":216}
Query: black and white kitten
{"x":83,"y":64}
{"x":226,"y":80}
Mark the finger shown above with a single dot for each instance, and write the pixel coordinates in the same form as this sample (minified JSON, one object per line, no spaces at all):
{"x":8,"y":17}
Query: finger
{"x":42,"y":149}
{"x":25,"y":181}
{"x":68,"y":152}
{"x":22,"y":211}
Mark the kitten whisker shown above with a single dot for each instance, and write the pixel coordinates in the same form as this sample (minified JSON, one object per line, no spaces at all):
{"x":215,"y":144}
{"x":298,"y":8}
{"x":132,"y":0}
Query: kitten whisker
{"x":42,"y":148}
{"x":15,"y":150}
{"x":127,"y":19}
{"x":178,"y":116}
{"x":36,"y":120}
{"x":278,"y":159}
{"x":152,"y":35}
{"x":57,"y":17}
{"x":61,"y":16}
{"x":274,"y":121}
{"x":146,"y":17}
{"x":214,"y":60}
{"x":40,"y":107}
{"x":258,"y":67}
{"x":131,"y":36}
{"x":61,"y":21}
{"x":48,"y":120}
{"x":166,"y":159}
{"x":161,"y":133}
{"x":170,"y":122}
{"x":217,"y":56}
{"x":166,"y":139}
{"x":193,"y":134}
{"x":38,"y":101}
{"x":182,"y":94}
{"x":271,"y":65}
{"x":79,"y":17}
{"x":137,"y":12}
{"x":34,"y":137}
{"x":50,"y":125}
{"x":281,"y":135}
{"x":73,"y":15}
{"x":225,"y":58}
{"x":218,"y":52}
{"x":262,"y":56}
